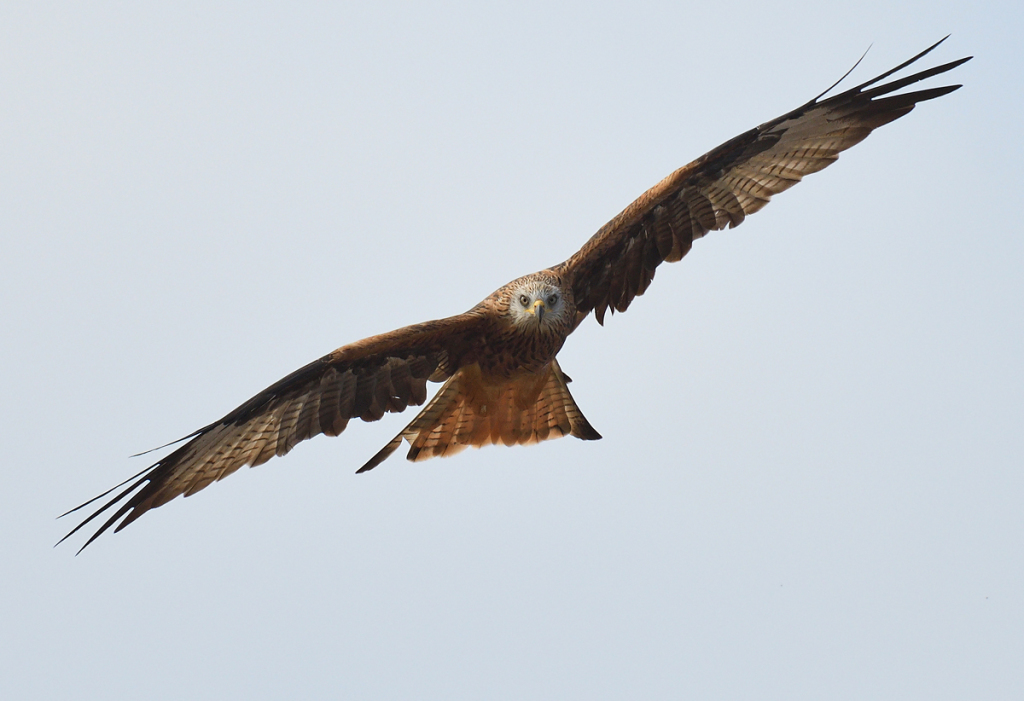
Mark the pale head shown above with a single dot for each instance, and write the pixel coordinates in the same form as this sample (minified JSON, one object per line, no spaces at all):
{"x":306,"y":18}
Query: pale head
{"x":537,"y":303}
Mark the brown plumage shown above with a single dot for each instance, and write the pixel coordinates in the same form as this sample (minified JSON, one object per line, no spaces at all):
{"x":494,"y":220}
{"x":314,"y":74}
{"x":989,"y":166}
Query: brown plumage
{"x":502,"y":384}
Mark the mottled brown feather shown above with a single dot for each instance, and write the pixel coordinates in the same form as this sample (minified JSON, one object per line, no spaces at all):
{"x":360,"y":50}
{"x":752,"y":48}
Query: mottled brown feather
{"x":384,"y":373}
{"x":723,"y":186}
{"x":502,"y":385}
{"x":473,"y":409}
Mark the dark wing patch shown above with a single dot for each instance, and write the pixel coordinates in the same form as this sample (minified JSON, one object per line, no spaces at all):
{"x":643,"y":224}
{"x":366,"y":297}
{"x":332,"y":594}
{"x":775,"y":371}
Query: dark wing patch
{"x":721,"y":188}
{"x":364,"y":380}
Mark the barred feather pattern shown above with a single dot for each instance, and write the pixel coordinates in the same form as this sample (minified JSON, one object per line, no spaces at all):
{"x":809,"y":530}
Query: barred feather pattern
{"x":719,"y":189}
{"x":366,"y":380}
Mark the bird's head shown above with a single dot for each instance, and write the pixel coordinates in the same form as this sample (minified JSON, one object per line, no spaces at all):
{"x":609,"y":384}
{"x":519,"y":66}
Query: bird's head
{"x":537,"y":303}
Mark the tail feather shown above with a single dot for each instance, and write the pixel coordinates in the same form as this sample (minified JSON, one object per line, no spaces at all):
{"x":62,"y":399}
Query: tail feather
{"x":469,"y":411}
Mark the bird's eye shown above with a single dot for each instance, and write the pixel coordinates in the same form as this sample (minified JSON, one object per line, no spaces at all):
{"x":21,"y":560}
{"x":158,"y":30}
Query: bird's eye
{"x":553,"y":300}
{"x":524,"y":300}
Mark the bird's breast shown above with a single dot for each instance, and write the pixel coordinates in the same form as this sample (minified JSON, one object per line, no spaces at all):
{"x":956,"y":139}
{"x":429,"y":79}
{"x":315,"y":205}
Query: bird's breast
{"x":514,"y":352}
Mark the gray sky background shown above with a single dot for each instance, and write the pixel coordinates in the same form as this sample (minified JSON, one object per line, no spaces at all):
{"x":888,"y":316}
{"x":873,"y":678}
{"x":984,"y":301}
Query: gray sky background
{"x":810,"y":484}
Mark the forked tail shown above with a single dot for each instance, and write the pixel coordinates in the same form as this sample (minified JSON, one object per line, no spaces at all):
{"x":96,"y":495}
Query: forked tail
{"x":470,"y":411}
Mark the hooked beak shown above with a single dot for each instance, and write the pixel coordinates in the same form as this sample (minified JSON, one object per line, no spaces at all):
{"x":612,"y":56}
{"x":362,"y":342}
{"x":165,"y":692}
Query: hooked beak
{"x":538,"y":310}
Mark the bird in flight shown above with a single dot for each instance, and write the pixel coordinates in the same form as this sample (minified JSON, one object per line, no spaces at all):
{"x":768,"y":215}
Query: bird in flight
{"x":502,"y":382}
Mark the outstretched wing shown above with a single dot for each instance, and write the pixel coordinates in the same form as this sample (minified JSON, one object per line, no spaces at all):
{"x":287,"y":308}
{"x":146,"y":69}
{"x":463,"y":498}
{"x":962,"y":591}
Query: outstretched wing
{"x":723,"y":186}
{"x":384,"y":373}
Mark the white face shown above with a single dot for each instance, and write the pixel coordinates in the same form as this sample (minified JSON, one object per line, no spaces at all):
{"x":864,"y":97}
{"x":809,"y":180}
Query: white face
{"x":536,"y":305}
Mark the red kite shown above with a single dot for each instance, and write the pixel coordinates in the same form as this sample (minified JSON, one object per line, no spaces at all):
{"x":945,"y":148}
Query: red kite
{"x":502,"y":383}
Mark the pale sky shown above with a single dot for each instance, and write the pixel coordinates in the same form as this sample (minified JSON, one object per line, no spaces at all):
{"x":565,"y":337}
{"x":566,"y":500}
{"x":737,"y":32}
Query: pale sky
{"x":810,"y":481}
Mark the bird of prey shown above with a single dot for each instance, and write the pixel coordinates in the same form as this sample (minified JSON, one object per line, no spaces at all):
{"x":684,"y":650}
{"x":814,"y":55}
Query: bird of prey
{"x":502,"y":382}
